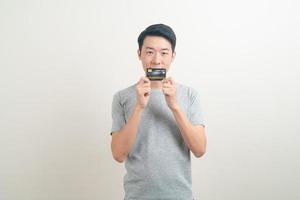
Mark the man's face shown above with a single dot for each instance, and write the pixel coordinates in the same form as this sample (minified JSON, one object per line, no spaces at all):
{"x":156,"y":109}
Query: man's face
{"x":156,"y":52}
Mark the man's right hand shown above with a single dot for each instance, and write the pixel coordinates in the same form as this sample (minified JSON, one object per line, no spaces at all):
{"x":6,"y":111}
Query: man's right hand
{"x":123,"y":140}
{"x":143,"y":89}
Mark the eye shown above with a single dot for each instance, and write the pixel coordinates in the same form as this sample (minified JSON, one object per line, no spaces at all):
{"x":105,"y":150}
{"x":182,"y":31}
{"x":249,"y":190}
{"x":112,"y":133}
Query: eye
{"x":164,"y":53}
{"x":149,"y":52}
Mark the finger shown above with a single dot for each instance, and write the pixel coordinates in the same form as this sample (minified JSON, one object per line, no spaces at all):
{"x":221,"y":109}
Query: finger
{"x":146,"y":87}
{"x":165,"y":80}
{"x":171,"y":80}
{"x":145,"y":79}
{"x":140,"y":81}
{"x":146,"y":92}
{"x":143,"y":88}
{"x":166,"y":90}
{"x":167,"y":85}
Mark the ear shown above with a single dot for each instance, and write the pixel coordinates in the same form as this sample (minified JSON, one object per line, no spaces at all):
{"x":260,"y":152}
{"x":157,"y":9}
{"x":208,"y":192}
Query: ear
{"x":139,"y":54}
{"x":173,"y":56}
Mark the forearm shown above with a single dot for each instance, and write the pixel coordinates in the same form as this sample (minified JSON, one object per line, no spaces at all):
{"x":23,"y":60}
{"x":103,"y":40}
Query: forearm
{"x":124,"y":139}
{"x":193,"y":136}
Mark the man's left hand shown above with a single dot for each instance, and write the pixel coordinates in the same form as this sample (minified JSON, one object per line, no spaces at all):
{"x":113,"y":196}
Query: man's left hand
{"x":169,"y":90}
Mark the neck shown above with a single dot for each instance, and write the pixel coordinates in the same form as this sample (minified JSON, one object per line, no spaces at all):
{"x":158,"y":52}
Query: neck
{"x":156,"y":84}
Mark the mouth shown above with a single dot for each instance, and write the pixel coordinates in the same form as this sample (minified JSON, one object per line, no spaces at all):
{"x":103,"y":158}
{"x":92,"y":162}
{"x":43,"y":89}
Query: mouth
{"x":156,"y":74}
{"x":156,"y":67}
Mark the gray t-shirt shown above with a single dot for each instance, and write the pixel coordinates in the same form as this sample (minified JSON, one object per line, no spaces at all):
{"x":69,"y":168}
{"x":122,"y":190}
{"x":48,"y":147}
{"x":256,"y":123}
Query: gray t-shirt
{"x":159,"y":164}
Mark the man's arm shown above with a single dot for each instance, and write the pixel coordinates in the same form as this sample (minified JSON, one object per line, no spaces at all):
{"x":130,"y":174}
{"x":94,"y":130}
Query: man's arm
{"x":123,"y":140}
{"x":193,"y":135}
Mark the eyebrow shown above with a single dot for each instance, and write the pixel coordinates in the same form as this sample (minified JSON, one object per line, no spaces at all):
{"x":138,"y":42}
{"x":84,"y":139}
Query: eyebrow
{"x":163,"y":49}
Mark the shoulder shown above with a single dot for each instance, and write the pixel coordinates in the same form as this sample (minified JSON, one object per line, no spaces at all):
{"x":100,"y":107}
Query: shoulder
{"x":186,"y":90}
{"x":125,"y":93}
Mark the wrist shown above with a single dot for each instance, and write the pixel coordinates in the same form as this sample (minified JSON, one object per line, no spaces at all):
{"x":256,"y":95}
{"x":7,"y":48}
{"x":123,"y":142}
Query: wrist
{"x":175,"y":108}
{"x":138,"y":108}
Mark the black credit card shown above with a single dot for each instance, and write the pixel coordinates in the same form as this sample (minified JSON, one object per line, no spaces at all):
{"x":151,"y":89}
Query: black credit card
{"x":156,"y":74}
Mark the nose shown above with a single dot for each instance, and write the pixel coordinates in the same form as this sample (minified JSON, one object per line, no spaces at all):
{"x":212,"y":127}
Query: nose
{"x":156,"y":59}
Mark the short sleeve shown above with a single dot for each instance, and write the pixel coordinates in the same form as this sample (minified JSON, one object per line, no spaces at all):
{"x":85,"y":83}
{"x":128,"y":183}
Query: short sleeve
{"x":117,"y":113}
{"x":196,"y":112}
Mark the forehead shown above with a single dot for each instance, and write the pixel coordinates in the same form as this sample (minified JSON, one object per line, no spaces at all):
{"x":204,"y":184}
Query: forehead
{"x":156,"y":42}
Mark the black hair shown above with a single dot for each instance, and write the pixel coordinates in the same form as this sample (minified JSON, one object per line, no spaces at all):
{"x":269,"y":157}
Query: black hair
{"x":161,"y":30}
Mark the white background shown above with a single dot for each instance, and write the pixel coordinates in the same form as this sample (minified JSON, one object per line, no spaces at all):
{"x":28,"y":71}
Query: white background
{"x":62,"y":60}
